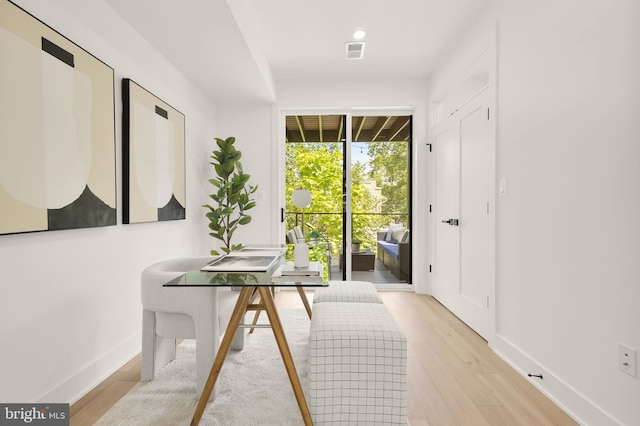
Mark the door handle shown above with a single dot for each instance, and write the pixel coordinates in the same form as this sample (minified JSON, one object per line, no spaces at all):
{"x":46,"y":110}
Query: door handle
{"x":452,"y":222}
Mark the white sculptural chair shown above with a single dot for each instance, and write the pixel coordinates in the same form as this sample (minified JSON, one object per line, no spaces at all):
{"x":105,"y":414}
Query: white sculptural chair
{"x":170,"y":313}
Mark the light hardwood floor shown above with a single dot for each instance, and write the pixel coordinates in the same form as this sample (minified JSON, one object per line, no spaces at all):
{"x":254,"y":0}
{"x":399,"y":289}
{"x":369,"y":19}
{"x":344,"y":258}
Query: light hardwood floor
{"x":454,"y":378}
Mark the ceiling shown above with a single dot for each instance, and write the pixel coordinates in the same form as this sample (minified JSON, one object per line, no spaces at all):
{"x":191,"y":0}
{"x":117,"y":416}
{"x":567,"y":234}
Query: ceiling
{"x":237,"y":51}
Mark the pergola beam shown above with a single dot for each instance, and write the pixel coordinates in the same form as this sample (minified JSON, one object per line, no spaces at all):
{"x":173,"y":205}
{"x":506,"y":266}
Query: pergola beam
{"x":301,"y":128}
{"x":379,"y":126}
{"x":396,"y":128}
{"x":359,"y":126}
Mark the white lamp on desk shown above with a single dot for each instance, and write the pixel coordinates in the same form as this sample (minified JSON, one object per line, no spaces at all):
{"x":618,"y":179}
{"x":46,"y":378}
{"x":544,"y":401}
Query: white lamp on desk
{"x":302,"y":199}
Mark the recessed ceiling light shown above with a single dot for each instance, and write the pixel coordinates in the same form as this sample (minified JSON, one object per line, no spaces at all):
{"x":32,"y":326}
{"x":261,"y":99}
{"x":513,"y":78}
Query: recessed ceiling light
{"x":359,"y":35}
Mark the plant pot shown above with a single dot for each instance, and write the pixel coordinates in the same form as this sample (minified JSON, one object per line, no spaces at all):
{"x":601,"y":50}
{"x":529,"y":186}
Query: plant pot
{"x":355,"y":248}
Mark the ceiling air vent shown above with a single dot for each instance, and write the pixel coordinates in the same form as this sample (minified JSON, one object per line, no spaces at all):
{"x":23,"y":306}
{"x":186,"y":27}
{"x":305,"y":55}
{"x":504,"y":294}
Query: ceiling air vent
{"x":354,"y":50}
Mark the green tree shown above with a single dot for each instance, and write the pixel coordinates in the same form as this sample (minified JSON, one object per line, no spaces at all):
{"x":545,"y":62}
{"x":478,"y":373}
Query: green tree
{"x":317,"y":167}
{"x":389,"y":167}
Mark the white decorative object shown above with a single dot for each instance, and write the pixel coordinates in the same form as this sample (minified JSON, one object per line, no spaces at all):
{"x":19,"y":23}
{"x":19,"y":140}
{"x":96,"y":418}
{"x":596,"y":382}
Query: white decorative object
{"x":301,"y":198}
{"x":301,"y":254}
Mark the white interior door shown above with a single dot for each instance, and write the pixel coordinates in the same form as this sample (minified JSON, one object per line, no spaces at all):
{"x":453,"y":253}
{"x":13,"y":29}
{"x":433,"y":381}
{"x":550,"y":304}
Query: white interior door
{"x":464,"y":213}
{"x":446,"y":260}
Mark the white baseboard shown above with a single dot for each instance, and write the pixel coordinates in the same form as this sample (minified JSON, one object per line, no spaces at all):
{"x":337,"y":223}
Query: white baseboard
{"x":78,"y":385}
{"x":576,"y":405}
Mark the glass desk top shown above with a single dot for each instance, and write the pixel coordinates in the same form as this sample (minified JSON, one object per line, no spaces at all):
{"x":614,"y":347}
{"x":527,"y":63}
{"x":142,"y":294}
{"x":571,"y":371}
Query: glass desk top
{"x":199,"y":278}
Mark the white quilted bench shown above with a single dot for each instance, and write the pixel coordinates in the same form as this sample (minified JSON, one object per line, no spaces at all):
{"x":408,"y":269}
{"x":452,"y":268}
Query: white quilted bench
{"x":357,"y":365}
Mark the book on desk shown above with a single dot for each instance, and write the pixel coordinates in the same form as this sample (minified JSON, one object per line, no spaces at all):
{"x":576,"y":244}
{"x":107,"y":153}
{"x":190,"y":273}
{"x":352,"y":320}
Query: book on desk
{"x":287,"y":272}
{"x":247,"y":259}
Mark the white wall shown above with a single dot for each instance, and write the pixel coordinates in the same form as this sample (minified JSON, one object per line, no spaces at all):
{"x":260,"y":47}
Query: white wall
{"x":252,"y":127}
{"x":337,"y":96}
{"x":569,"y":225}
{"x":70,"y":300}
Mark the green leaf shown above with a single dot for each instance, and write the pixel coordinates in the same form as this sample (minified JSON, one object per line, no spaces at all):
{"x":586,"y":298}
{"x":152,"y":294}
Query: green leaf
{"x":229,"y":165}
{"x":221,"y":193}
{"x":241,"y":179}
{"x":244,"y":220}
{"x":233,"y":198}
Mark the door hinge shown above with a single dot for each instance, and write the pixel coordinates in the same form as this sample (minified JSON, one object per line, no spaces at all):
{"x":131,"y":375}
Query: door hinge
{"x":429,"y":268}
{"x":429,"y":145}
{"x":487,"y":113}
{"x":429,"y":208}
{"x":487,"y":302}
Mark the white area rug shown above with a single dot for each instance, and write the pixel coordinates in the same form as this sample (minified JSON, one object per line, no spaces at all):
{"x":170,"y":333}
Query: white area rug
{"x":253,"y":386}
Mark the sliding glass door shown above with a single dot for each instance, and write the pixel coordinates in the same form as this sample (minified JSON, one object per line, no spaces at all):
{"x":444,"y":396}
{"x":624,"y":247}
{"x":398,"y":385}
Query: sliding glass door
{"x":358,"y":171}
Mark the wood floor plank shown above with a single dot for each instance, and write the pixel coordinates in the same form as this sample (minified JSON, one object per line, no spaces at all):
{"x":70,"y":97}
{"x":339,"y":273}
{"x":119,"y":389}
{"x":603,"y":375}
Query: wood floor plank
{"x":516,"y":403}
{"x":424,"y":400}
{"x":498,"y":415}
{"x":463,"y":408}
{"x":463,"y":368}
{"x":99,"y":405}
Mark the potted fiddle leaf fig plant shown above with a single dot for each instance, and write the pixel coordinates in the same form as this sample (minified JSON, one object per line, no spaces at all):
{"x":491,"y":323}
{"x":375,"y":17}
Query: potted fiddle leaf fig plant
{"x":232,"y":197}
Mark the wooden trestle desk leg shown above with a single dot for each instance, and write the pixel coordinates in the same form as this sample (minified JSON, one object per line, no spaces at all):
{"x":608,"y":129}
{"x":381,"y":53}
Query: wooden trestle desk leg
{"x":258,"y":310}
{"x":305,"y":301}
{"x":285,"y":353}
{"x":234,"y":322}
{"x":303,"y":296}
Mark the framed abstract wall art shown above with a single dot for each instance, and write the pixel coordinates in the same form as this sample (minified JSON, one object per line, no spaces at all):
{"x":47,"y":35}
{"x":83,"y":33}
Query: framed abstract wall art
{"x":57,"y":130}
{"x":153,"y":171}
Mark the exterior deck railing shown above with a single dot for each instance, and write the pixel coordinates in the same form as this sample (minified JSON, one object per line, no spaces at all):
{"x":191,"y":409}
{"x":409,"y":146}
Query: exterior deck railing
{"x":367,"y":234}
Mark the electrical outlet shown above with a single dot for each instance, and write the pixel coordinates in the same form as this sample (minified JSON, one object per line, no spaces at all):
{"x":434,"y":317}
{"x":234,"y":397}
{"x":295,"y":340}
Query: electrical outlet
{"x":627,"y":359}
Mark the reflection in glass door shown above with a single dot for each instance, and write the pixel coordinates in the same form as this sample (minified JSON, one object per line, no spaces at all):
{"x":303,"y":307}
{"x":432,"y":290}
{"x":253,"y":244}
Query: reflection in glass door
{"x":374,"y":245}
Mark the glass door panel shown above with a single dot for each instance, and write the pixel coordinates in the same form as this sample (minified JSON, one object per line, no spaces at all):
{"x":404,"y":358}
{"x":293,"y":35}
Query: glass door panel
{"x":315,"y":161}
{"x":380,"y":201}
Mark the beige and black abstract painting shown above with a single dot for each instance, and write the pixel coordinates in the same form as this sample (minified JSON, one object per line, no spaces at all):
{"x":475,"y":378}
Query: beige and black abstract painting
{"x":153,"y":157}
{"x":57,"y":130}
